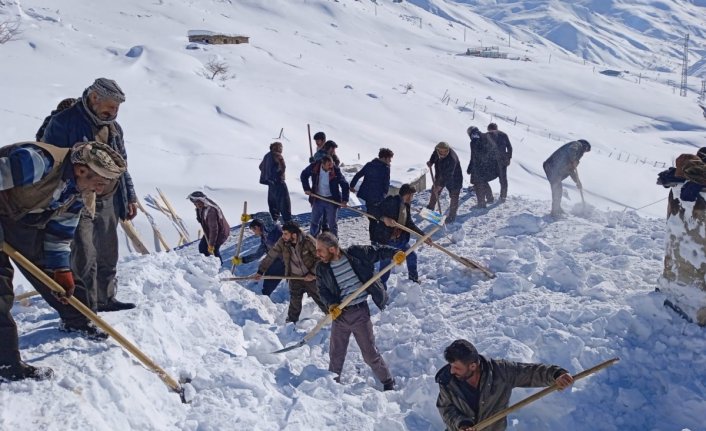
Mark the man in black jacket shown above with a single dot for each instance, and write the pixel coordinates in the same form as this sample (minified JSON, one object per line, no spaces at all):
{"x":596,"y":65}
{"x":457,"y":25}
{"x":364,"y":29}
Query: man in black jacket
{"x":397,"y":209}
{"x":376,"y":183}
{"x":339,"y":273}
{"x":448,"y":174}
{"x":268,"y":239}
{"x":473,"y":388}
{"x":272,"y":174}
{"x":504,"y":155}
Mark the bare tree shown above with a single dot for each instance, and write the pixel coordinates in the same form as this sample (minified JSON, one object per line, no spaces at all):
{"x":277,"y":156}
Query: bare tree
{"x":217,"y":69}
{"x":9,"y":30}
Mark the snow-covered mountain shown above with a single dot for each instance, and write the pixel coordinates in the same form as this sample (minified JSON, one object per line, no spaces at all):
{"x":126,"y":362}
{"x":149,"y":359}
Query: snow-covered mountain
{"x":371,"y":75}
{"x":637,"y":34}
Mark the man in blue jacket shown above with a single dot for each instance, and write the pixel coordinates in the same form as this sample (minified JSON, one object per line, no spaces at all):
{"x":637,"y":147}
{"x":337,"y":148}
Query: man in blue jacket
{"x":42,"y":188}
{"x":95,"y":249}
{"x":268,"y":239}
{"x":326,"y":181}
{"x":376,"y":183}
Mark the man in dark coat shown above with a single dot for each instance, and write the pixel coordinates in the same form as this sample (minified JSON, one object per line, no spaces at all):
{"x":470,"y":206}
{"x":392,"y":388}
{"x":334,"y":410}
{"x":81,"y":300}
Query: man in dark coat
{"x":214,"y":225}
{"x":272,"y":171}
{"x":473,"y":388}
{"x":376,"y":183}
{"x":328,"y":149}
{"x":94,"y":253}
{"x":319,"y":141}
{"x":63,"y":105}
{"x":327,"y":181}
{"x":268,"y":239}
{"x":483,"y":166}
{"x":41,"y":197}
{"x":397,"y":209}
{"x":448,"y":174}
{"x":561,"y":164}
{"x":339,"y":274}
{"x":504,"y":147}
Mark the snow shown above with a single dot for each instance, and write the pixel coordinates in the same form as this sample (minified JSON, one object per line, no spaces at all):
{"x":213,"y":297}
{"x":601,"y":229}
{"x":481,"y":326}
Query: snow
{"x":572,"y":292}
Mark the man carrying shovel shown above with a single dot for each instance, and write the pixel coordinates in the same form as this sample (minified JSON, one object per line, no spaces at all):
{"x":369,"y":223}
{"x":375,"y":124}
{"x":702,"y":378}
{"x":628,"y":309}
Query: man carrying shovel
{"x":392,"y":210}
{"x":42,"y":192}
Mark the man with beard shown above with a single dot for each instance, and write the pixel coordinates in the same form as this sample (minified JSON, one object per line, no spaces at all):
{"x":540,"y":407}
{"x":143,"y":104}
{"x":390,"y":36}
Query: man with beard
{"x":473,"y":388}
{"x":340,"y":273}
{"x":298,"y":252}
{"x":41,"y":196}
{"x":94,"y":254}
{"x":448,"y":174}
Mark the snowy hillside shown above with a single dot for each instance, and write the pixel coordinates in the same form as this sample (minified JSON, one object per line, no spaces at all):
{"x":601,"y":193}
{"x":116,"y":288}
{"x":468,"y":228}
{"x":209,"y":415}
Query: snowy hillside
{"x":574,"y":292}
{"x":370,"y":74}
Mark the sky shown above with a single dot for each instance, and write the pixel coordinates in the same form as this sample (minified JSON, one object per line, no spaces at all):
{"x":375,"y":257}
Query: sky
{"x":573,"y":292}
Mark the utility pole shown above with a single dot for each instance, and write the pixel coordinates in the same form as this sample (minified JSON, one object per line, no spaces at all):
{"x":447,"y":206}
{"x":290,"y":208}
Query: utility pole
{"x":684,"y":67}
{"x":702,"y":99}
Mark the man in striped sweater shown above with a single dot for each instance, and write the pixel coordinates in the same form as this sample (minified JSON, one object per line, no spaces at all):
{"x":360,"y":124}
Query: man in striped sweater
{"x":41,"y":197}
{"x":339,"y":274}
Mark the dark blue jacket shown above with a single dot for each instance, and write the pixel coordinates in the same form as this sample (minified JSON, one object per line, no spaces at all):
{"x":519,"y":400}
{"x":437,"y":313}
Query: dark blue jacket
{"x":376,"y":181}
{"x":362,"y":259}
{"x":337,"y":183}
{"x":267,"y":241}
{"x":73,"y":125}
{"x":390,"y":207}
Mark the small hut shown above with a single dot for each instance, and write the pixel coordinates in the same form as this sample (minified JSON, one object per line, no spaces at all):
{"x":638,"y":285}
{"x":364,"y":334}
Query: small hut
{"x":211,"y":38}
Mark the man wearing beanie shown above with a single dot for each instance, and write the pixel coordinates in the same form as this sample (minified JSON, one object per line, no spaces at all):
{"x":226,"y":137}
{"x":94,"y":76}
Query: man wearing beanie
{"x":448,"y":174}
{"x":39,"y":223}
{"x":94,"y":256}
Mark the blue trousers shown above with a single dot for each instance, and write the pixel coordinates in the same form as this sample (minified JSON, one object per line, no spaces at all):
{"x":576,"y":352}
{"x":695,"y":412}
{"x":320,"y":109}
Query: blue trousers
{"x":323,"y":211}
{"x":411,"y":260}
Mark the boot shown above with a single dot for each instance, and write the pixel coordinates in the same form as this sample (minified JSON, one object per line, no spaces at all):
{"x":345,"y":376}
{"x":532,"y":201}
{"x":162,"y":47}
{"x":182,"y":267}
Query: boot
{"x":22,"y":370}
{"x":116,"y":305}
{"x":86,"y":329}
{"x":389,"y":385}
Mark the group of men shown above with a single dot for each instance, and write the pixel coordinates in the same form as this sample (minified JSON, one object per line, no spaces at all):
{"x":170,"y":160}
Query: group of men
{"x":62,"y":198}
{"x":60,"y":202}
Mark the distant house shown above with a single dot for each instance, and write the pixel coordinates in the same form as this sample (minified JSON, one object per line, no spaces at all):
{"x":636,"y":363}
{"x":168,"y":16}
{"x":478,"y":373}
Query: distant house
{"x":211,"y":38}
{"x":486,"y":52}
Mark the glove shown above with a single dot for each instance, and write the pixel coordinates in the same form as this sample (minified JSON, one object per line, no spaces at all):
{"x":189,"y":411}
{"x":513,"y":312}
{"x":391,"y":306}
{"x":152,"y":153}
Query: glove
{"x":65,"y":278}
{"x":245,"y":218}
{"x":399,"y":258}
{"x":334,"y":311}
{"x":211,"y":249}
{"x":237,"y":260}
{"x":690,"y":191}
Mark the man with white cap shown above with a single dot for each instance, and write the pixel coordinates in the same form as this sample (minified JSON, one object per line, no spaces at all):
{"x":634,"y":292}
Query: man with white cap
{"x":42,"y":190}
{"x":95,"y":250}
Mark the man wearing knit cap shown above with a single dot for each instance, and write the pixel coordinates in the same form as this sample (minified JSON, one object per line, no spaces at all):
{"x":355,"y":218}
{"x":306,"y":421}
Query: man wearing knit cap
{"x":41,"y":197}
{"x":94,"y":256}
{"x":448,"y":174}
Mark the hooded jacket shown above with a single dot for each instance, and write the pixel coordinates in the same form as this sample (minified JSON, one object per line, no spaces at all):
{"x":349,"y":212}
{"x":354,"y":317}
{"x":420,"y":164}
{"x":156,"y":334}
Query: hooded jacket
{"x":213,"y":223}
{"x":483,"y":166}
{"x":498,"y":378}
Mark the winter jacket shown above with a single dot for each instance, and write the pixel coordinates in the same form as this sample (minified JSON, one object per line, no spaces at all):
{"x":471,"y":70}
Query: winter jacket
{"x":502,"y":143}
{"x":305,"y":248}
{"x":563,"y":162}
{"x":376,"y":181}
{"x":483,"y":166}
{"x":362,"y":259}
{"x":338,"y":184}
{"x":267,"y":241}
{"x":498,"y":378}
{"x":272,"y":169}
{"x":74,"y":125}
{"x":447,"y":170}
{"x":213,"y":223}
{"x":38,"y":189}
{"x":390,"y":207}
{"x":320,"y":154}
